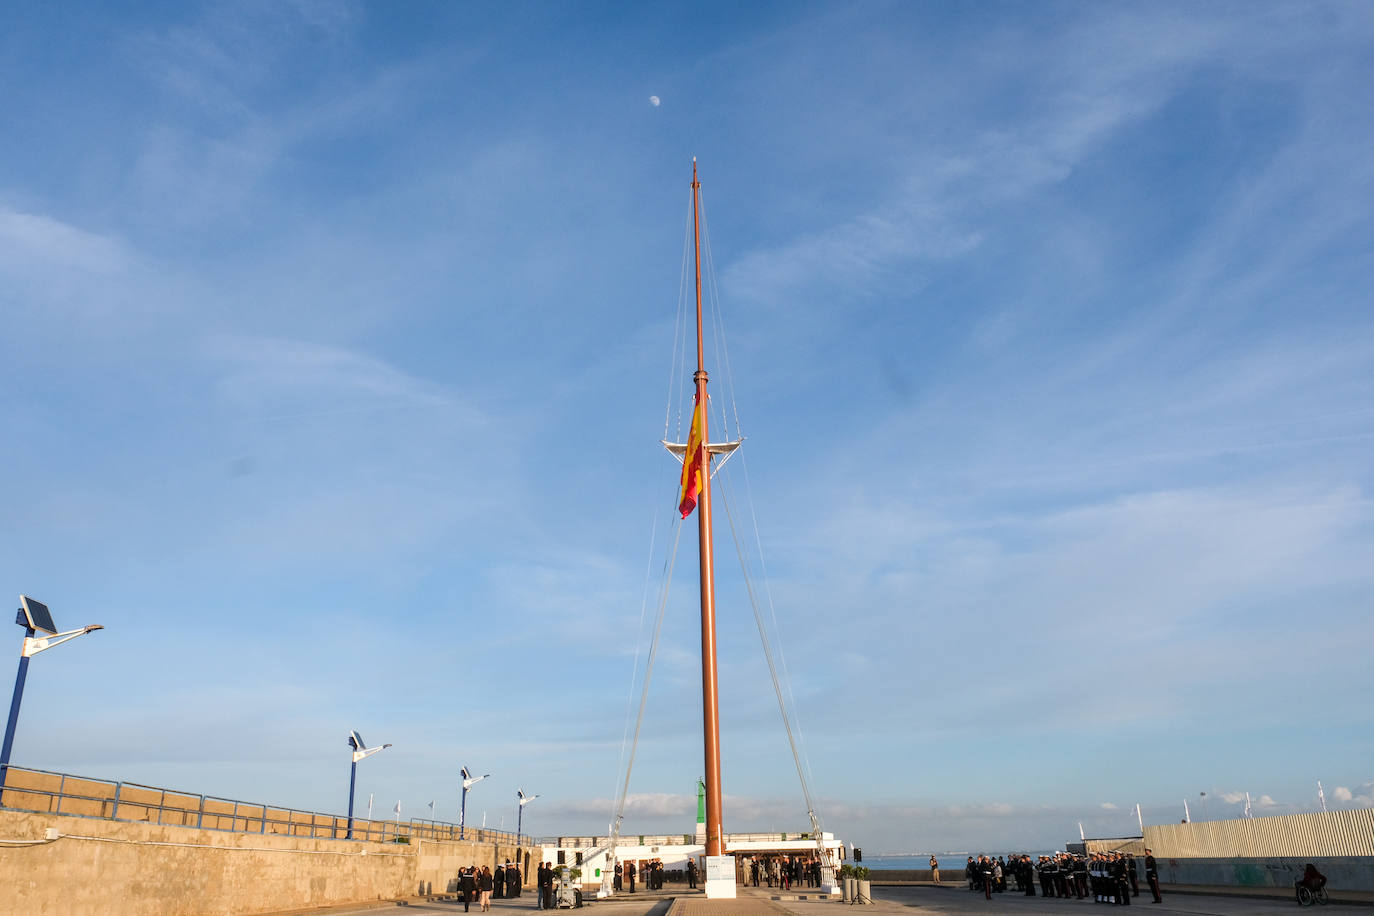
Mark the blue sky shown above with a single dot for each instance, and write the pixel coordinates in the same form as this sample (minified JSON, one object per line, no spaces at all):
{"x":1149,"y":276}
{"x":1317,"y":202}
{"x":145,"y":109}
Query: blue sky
{"x":339,"y":338}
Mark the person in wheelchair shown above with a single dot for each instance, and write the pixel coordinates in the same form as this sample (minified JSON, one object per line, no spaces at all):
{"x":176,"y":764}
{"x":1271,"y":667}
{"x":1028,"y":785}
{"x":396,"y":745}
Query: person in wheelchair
{"x":1311,"y":879}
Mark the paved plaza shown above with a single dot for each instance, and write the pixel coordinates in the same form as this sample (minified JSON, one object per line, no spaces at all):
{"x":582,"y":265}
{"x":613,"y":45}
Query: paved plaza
{"x":887,"y":901}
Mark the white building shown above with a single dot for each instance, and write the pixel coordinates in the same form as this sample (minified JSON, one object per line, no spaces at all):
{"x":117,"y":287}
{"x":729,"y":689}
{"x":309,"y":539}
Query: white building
{"x":589,"y":853}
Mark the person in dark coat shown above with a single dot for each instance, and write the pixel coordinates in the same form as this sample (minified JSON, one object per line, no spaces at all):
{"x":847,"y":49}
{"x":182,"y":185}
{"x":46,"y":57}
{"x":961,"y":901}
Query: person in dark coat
{"x":498,"y":882}
{"x":546,"y":886}
{"x":619,"y":883}
{"x":513,"y":887}
{"x":467,"y":884}
{"x":692,"y":873}
{"x":1132,"y":874}
{"x":630,"y":872}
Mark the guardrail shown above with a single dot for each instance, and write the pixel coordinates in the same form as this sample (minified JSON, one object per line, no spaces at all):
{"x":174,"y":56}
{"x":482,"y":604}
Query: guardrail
{"x":47,"y":792}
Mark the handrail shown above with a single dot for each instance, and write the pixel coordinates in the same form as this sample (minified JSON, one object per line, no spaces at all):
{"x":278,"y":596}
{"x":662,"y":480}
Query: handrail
{"x":111,"y":800}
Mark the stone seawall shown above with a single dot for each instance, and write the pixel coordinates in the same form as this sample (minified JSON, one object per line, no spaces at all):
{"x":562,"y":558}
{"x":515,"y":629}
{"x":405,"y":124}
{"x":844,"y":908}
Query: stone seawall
{"x":910,"y":875}
{"x":1349,"y":873}
{"x":98,"y":867}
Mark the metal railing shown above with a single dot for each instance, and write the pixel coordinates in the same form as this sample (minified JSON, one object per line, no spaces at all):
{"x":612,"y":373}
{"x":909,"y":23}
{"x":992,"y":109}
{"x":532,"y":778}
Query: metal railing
{"x":47,"y":792}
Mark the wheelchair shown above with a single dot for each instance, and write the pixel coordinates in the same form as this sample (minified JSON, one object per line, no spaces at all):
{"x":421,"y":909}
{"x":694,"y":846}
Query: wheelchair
{"x":1308,"y":895}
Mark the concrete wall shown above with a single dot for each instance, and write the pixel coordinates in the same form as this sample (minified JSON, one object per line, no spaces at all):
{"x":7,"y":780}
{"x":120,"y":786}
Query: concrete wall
{"x":99,"y":867}
{"x":913,"y":875}
{"x":1343,"y":873}
{"x":1268,"y":851}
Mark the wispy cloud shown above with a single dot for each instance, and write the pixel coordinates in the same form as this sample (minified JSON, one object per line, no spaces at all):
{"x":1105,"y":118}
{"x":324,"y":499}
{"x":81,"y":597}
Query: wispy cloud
{"x":26,"y":238}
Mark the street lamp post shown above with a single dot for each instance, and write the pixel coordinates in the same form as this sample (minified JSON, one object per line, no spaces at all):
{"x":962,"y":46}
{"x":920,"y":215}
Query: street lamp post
{"x":468,"y":782}
{"x":520,"y":816}
{"x":360,"y":752}
{"x":34,"y":617}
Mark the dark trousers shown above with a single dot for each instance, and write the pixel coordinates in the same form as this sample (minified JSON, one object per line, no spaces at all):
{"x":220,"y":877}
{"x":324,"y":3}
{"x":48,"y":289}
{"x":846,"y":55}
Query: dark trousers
{"x":1135,"y":883}
{"x":1123,"y":893}
{"x":1154,"y":886}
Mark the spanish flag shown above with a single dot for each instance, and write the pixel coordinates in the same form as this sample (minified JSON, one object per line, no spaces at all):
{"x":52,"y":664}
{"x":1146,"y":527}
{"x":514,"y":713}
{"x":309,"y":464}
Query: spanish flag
{"x":692,"y":462}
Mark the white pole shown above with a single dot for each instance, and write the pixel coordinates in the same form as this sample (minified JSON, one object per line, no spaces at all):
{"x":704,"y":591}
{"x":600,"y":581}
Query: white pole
{"x":369,"y":806}
{"x":1247,"y":805}
{"x":1321,"y":796}
{"x":1187,"y":818}
{"x":1080,"y":832}
{"x":1138,"y":819}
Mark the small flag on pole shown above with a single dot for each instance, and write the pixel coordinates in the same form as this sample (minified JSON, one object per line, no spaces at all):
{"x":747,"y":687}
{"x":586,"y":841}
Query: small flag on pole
{"x":398,"y":809}
{"x":1321,"y":796}
{"x":692,"y":462}
{"x":1247,"y":805}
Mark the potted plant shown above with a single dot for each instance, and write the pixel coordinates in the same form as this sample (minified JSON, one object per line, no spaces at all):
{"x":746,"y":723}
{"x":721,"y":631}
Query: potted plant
{"x":847,"y":883}
{"x":864,"y":890}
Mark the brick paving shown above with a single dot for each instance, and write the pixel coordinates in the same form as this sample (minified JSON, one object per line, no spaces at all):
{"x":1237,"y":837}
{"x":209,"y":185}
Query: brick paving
{"x":747,"y":903}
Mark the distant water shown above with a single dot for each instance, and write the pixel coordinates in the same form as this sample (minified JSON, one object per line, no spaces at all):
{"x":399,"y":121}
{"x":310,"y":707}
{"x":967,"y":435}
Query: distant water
{"x":947,"y":862}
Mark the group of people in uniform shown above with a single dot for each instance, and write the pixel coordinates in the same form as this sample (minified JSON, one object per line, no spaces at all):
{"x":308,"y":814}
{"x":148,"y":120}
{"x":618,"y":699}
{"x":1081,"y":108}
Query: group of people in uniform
{"x":784,"y":871}
{"x":652,"y":873}
{"x":1107,"y":877}
{"x":482,"y":884}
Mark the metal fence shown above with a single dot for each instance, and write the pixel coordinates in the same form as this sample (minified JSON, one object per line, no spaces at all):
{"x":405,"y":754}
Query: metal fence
{"x":1316,"y":834}
{"x":46,"y":792}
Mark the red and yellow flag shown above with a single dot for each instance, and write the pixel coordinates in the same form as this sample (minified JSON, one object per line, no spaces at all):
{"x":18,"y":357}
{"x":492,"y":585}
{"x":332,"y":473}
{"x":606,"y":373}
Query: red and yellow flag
{"x":693,"y":462}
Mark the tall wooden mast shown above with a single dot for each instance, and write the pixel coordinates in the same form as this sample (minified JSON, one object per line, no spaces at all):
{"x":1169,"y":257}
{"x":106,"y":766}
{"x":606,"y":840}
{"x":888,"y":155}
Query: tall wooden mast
{"x":710,"y":715}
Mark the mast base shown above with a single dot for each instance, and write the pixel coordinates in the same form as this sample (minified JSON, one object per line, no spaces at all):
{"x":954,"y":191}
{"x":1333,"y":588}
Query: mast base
{"x":720,"y":878}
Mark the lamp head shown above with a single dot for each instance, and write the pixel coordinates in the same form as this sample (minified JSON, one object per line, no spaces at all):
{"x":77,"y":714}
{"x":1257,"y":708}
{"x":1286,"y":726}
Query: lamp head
{"x":90,"y":628}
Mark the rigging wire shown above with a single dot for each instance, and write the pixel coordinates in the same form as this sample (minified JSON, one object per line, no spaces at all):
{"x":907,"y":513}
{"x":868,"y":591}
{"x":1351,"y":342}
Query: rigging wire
{"x":796,"y":742}
{"x":669,"y":563}
{"x":643,"y":608}
{"x":676,"y":366}
{"x":727,"y":500}
{"x":773,"y":613}
{"x":718,"y":324}
{"x":677,"y":370}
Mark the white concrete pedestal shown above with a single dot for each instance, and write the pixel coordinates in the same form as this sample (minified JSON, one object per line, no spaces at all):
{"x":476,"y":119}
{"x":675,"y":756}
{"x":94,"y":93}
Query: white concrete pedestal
{"x":720,"y":877}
